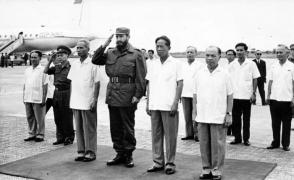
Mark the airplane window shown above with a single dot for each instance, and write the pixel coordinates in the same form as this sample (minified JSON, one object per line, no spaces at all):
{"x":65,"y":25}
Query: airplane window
{"x":30,"y":35}
{"x":5,"y":36}
{"x":36,"y":35}
{"x":25,"y":35}
{"x":0,"y":36}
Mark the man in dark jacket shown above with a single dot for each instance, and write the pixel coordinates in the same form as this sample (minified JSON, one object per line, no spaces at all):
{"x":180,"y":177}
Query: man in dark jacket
{"x":262,"y":79}
{"x":125,"y":67}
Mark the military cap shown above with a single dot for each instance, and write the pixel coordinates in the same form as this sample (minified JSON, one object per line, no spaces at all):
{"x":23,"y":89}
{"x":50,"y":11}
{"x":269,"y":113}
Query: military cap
{"x":122,"y":30}
{"x":63,"y":49}
{"x":36,"y":51}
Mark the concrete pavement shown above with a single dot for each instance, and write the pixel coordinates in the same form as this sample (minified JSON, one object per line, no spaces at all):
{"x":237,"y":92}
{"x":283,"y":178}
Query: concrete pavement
{"x":13,"y":129}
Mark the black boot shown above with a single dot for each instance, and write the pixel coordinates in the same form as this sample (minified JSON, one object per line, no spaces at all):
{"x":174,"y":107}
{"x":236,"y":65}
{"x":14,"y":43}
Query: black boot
{"x":129,"y":160}
{"x":119,"y":159}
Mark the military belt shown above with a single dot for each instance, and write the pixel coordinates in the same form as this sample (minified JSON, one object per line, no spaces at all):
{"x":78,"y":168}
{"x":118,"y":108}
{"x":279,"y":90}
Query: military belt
{"x":121,"y":80}
{"x":62,"y":88}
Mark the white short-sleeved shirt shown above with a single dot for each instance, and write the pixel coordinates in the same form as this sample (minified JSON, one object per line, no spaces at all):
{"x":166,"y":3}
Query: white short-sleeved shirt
{"x":149,"y":62}
{"x":242,"y":76}
{"x":163,"y":83}
{"x":282,"y":77}
{"x":34,"y":81}
{"x":212,"y":90}
{"x":189,"y":74}
{"x":83,"y":77}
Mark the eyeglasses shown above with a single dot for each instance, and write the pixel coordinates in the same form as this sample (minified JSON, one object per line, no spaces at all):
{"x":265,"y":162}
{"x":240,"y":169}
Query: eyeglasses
{"x":258,"y":54}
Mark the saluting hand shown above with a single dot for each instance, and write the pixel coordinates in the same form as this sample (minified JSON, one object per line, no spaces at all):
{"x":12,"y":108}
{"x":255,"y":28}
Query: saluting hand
{"x":52,"y":57}
{"x":108,"y":41}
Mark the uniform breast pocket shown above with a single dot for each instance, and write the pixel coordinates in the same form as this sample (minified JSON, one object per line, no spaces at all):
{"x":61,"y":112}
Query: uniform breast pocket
{"x":127,"y":68}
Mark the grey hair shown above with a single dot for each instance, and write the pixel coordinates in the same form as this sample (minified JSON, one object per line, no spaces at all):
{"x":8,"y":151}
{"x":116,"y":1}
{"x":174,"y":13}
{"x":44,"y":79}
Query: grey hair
{"x":195,"y":49}
{"x":284,"y":47}
{"x":86,"y":42}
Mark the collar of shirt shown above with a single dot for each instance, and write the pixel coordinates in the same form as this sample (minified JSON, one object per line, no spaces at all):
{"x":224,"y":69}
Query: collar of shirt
{"x":216,"y":70}
{"x":165,"y":62}
{"x":86,"y":61}
{"x":37,"y":67}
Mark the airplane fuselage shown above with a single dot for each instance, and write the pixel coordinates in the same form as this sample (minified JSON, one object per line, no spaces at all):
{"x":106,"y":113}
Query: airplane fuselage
{"x":45,"y":41}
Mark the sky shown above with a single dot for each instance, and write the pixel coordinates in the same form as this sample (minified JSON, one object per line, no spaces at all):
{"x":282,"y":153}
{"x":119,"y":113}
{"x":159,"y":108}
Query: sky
{"x":262,"y":24}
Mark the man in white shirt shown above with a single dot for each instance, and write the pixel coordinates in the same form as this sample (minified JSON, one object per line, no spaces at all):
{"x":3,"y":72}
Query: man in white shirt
{"x":85,"y":84}
{"x":165,"y":83}
{"x":244,"y":74}
{"x":213,"y":110}
{"x":190,"y":69}
{"x":230,"y":55}
{"x":150,"y":59}
{"x":280,"y":97}
{"x":34,"y":97}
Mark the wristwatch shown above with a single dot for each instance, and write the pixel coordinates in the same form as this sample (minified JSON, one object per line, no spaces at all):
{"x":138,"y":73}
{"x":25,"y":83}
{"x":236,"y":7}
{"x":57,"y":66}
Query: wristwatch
{"x":229,"y":113}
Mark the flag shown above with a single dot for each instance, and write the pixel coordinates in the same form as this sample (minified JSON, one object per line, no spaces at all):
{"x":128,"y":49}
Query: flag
{"x":78,"y":1}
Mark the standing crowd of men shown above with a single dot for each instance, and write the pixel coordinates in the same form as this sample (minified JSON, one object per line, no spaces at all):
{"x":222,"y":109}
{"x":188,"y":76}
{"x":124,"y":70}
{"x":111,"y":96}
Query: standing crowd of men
{"x":216,"y":99}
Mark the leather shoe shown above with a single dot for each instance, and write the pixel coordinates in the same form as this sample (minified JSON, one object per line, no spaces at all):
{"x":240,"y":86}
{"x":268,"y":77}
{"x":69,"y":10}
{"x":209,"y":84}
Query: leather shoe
{"x":79,"y":158}
{"x":129,"y":162}
{"x":196,"y":139}
{"x":117,"y":160}
{"x":216,"y":177}
{"x":247,"y":143}
{"x":89,"y":157}
{"x":272,"y":147}
{"x":68,"y":142}
{"x":205,"y":176}
{"x":58,"y":142}
{"x":155,"y":169}
{"x":235,"y":142}
{"x":286,"y":148}
{"x":30,"y":138}
{"x":187,"y":138}
{"x":39,"y":139}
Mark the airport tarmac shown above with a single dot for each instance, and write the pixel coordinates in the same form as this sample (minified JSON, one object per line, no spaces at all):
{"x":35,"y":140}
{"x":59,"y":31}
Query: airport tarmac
{"x":13,"y":129}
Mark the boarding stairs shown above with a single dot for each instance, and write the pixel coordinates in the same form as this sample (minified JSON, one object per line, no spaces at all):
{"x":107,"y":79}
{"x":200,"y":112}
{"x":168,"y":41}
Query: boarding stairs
{"x":11,"y":45}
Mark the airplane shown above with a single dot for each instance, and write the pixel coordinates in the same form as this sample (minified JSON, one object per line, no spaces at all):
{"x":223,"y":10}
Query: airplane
{"x":43,"y":39}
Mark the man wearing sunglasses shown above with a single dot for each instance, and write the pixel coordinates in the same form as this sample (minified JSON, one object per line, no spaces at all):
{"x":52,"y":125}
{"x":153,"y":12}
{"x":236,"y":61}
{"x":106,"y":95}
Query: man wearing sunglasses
{"x":261,"y":65}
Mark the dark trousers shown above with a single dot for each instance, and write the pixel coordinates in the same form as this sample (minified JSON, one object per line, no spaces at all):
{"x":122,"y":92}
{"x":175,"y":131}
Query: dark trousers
{"x":191,"y":127}
{"x":49,"y":104}
{"x":122,"y":122}
{"x":281,"y":113}
{"x":241,"y":107}
{"x":260,"y":85}
{"x":63,"y":115}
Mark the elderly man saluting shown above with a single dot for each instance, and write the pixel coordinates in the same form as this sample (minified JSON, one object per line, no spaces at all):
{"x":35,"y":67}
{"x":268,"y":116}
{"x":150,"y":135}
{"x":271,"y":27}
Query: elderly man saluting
{"x":63,"y":115}
{"x":213,"y":100}
{"x":125,"y":66}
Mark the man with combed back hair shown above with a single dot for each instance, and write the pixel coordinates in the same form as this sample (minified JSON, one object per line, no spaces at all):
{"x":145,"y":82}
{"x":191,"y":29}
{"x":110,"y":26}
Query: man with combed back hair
{"x":281,"y":98}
